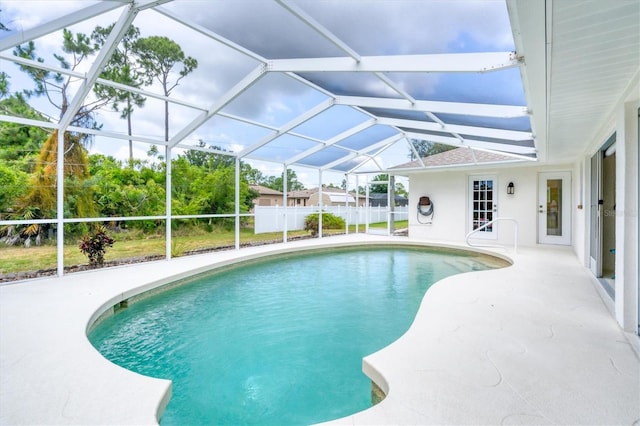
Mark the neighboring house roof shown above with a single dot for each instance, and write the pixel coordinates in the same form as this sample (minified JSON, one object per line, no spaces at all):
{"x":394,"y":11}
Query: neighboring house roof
{"x":305,"y":193}
{"x":263,"y":190}
{"x":381,"y":196}
{"x":458,"y":157}
{"x":331,"y":190}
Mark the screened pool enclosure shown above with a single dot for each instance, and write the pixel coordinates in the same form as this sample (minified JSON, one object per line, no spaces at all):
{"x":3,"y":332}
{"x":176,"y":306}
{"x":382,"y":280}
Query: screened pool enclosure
{"x":331,"y":92}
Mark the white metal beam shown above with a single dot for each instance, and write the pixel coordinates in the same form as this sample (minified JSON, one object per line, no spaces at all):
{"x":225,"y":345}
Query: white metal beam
{"x":149,"y":94}
{"x":116,"y":135}
{"x":28,"y":121}
{"x":208,"y":33}
{"x":147,"y":4}
{"x":445,"y":62}
{"x":344,"y":159}
{"x":485,"y":132}
{"x":80,"y":75}
{"x":383,"y":149}
{"x":319,"y":28}
{"x":206,"y":149}
{"x":460,"y":108}
{"x":85,"y":130}
{"x":119,"y":30}
{"x":386,"y":80}
{"x":505,"y":149}
{"x":247,"y":121}
{"x":308,"y":115}
{"x":414,"y":151}
{"x":244,"y":84}
{"x":369,"y":159}
{"x":376,"y":146}
{"x":347,"y":133}
{"x":266,"y":126}
{"x":65,"y":21}
{"x":42,"y":66}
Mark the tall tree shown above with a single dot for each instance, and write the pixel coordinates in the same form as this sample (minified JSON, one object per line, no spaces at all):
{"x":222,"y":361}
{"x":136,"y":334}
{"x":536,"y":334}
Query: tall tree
{"x":20,"y":143}
{"x":277,"y":183}
{"x":382,"y":188}
{"x":121,"y":68}
{"x":251,"y":175}
{"x":4,"y":84}
{"x":379,"y":188}
{"x":57,"y":88}
{"x":209,"y":160}
{"x":4,"y":77}
{"x":426,"y":148}
{"x":158,"y":57}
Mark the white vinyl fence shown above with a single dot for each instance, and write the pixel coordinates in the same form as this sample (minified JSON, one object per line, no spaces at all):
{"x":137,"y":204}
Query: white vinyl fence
{"x":271,"y":218}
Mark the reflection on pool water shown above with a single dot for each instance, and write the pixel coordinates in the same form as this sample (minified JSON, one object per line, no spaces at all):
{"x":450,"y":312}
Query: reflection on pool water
{"x":278,"y":341}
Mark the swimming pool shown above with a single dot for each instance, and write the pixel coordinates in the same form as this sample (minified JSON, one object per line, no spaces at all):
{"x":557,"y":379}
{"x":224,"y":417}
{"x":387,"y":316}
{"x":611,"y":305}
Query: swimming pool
{"x":278,"y":341}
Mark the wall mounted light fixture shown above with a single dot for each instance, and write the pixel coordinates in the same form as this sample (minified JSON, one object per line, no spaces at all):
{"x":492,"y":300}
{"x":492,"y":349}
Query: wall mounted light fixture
{"x":511,"y":188}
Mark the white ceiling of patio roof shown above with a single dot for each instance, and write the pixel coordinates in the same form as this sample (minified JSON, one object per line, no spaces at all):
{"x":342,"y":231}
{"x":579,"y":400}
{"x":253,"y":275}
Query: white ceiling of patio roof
{"x":334,"y":85}
{"x":582,"y":60}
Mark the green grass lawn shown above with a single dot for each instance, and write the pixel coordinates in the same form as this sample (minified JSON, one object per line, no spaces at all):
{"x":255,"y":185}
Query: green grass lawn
{"x":21,"y":259}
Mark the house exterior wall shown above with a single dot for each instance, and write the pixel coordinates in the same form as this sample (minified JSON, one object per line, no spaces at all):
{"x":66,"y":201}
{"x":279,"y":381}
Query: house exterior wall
{"x":268,"y":200}
{"x":624,"y":122}
{"x":298,"y":201}
{"x":627,"y":250}
{"x":314,"y":199}
{"x":449,"y":192}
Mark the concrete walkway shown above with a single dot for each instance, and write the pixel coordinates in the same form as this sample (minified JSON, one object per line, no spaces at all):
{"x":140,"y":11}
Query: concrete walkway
{"x":528,"y":344}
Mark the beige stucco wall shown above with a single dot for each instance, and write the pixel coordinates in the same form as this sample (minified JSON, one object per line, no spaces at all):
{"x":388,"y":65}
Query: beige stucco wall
{"x":268,"y":200}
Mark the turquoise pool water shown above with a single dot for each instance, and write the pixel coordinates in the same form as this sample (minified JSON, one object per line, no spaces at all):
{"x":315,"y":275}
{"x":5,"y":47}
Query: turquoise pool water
{"x":279,"y":341}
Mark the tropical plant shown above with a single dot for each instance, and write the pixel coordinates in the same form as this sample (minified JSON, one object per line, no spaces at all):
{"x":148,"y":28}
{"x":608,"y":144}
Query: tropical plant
{"x":58,"y":89}
{"x":94,"y":245}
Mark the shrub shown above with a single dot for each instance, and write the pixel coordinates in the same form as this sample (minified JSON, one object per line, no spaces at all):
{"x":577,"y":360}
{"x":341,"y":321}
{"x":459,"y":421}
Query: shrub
{"x":95,"y":244}
{"x":329,"y":221}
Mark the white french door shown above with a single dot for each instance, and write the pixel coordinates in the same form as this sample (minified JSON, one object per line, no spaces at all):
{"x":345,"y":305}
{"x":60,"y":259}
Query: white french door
{"x":483,"y":206}
{"x":554,"y":208}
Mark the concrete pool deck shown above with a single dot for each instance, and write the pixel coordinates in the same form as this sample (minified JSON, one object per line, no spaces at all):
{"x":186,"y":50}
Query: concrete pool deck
{"x":533,"y":343}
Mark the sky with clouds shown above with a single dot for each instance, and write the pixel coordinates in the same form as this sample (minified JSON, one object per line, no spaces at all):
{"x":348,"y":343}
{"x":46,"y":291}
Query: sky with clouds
{"x":370,"y":27}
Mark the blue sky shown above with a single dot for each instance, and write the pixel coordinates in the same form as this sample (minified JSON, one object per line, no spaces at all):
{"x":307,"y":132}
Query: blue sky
{"x":370,"y":27}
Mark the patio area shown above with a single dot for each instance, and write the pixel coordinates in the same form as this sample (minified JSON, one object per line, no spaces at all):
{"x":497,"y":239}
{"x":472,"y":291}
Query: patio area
{"x":533,"y":343}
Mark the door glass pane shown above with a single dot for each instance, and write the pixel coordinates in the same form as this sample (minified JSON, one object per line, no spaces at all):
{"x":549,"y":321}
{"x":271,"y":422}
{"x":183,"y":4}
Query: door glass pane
{"x":482,"y":210}
{"x":554,"y":206}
